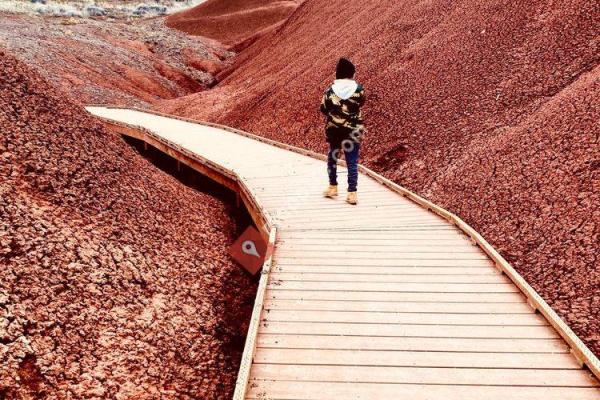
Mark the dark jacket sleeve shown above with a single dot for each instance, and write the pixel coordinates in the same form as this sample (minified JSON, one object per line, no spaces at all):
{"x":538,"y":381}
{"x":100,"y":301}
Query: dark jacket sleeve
{"x":361,"y":100}
{"x":324,"y":108}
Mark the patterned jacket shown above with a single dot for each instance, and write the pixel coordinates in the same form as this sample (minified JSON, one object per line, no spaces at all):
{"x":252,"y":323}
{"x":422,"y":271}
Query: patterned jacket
{"x":343,"y":108}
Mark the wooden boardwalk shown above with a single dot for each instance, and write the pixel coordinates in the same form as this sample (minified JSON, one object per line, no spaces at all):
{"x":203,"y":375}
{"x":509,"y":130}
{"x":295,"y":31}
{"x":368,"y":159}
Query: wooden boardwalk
{"x":384,"y":300}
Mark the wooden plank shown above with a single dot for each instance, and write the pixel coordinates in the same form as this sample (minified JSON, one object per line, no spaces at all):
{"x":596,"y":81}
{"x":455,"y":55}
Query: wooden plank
{"x":395,"y":287}
{"x":382,"y":297}
{"x":343,"y":229}
{"x":416,"y":307}
{"x":358,"y":226}
{"x":375,"y":247}
{"x":420,"y":262}
{"x":300,"y":173}
{"x":332,"y":205}
{"x":405,"y":318}
{"x":416,"y":359}
{"x":361,"y":343}
{"x":422,"y":237}
{"x":375,"y":222}
{"x":313,"y":194}
{"x":306,"y":184}
{"x":315,"y":185}
{"x":264,"y":390}
{"x":324,"y":207}
{"x":352,"y":244}
{"x":300,"y":191}
{"x":417,"y":240}
{"x":285,"y":253}
{"x":397,"y":278}
{"x":287,"y":191}
{"x":342,"y":214}
{"x":312,"y":202}
{"x":374,"y":216}
{"x":444,"y":237}
{"x":407,"y":330}
{"x":340,"y":209}
{"x":428,"y":376}
{"x":294,"y":183}
{"x":375,"y":270}
{"x":367,"y":235}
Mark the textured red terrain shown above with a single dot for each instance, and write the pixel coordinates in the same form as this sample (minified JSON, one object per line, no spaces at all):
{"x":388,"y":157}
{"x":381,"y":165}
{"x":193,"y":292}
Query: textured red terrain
{"x":115,"y":280}
{"x":234,"y":21}
{"x":114,"y":61}
{"x":489,"y":109}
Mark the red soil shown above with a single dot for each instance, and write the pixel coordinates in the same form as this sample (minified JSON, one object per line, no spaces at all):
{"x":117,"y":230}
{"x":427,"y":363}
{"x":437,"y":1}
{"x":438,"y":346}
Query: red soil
{"x":235,"y":21}
{"x":213,"y":67}
{"x":490,"y":109}
{"x":115,"y":277}
{"x":116,"y":62}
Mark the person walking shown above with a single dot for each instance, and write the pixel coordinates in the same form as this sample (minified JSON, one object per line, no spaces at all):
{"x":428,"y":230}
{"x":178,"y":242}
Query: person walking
{"x":341,"y":104}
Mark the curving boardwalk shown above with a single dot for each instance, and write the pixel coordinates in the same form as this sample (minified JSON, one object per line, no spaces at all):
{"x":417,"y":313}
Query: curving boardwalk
{"x":384,"y":300}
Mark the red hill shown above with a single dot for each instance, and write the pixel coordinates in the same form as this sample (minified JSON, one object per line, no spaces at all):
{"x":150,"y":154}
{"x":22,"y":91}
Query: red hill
{"x":232,"y":21}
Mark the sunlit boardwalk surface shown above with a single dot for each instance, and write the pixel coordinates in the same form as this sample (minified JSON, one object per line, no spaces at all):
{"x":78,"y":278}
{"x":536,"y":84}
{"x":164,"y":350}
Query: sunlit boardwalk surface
{"x":384,"y":300}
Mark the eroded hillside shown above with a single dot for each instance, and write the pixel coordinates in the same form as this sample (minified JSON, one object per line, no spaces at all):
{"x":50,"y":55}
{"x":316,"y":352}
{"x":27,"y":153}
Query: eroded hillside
{"x":236,"y":23}
{"x":114,"y":61}
{"x":115,"y":280}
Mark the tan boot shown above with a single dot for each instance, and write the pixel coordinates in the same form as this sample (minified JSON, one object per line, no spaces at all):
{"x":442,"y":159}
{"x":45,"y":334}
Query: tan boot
{"x":352,"y":198}
{"x":331,"y":191}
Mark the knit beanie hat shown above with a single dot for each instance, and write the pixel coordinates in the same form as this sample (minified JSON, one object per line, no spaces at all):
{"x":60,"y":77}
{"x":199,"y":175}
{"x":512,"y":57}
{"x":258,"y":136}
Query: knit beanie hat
{"x":345,"y":69}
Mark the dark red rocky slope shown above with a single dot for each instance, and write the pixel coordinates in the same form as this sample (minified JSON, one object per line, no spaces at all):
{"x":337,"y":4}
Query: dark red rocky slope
{"x":115,"y":279}
{"x":233,"y":22}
